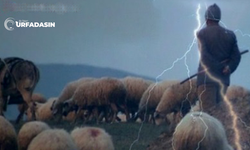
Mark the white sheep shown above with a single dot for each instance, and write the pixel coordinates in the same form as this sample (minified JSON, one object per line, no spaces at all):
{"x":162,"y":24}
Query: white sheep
{"x":8,"y":137}
{"x":66,"y":94}
{"x":239,"y":97}
{"x":198,"y":130}
{"x":56,"y":139}
{"x":92,"y":138}
{"x":101,"y":95}
{"x":29,"y":131}
{"x":151,"y":97}
{"x":135,"y":87}
{"x":177,"y":99}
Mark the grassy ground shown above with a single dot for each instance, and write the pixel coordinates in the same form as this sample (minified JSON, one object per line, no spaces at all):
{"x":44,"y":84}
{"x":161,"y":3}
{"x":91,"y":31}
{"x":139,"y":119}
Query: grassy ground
{"x":123,"y":134}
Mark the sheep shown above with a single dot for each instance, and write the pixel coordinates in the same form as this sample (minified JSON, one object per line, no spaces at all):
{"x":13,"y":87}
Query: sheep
{"x":177,"y":99}
{"x":239,"y":97}
{"x":135,"y":88}
{"x":52,"y":139}
{"x":29,"y":131}
{"x":151,"y":98}
{"x":92,"y":138}
{"x":8,"y":137}
{"x":234,"y":92}
{"x":44,"y":113}
{"x":101,"y":95}
{"x":36,"y":97}
{"x":66,"y":94}
{"x":199,"y":130}
{"x":42,"y":110}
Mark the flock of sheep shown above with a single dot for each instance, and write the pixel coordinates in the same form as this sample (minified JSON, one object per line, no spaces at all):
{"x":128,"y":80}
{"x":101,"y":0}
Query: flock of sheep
{"x":37,"y":135}
{"x":103,"y":100}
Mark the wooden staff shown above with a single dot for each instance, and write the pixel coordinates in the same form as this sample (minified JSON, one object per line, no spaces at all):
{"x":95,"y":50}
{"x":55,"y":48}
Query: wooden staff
{"x":192,"y":76}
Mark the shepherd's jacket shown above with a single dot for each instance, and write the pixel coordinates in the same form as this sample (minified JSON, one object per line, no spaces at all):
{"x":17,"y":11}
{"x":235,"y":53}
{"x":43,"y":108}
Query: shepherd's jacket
{"x":215,"y":45}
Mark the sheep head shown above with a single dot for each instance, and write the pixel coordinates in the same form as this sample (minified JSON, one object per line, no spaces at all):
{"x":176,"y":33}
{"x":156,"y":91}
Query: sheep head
{"x":69,"y":106}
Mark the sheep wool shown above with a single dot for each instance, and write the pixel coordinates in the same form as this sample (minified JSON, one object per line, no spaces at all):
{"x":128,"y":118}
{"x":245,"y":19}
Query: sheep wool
{"x":154,"y":92}
{"x":177,"y":98}
{"x":100,"y":93}
{"x":92,"y":138}
{"x":66,"y":94}
{"x":53,"y":139}
{"x":36,"y":97}
{"x":29,"y":131}
{"x":8,"y":136}
{"x":152,"y":96}
{"x":200,"y":130}
{"x":135,"y":88}
{"x":42,"y":110}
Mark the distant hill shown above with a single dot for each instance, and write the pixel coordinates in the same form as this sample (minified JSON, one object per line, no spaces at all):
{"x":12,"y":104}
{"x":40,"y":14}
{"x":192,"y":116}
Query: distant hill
{"x":53,"y":78}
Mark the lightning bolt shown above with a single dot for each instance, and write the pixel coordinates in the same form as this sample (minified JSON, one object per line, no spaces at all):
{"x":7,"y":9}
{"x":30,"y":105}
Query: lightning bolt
{"x":144,"y":118}
{"x":192,"y":44}
{"x":229,"y":105}
{"x":170,"y":68}
{"x":227,"y":102}
{"x":242,"y":34}
{"x":234,"y":116}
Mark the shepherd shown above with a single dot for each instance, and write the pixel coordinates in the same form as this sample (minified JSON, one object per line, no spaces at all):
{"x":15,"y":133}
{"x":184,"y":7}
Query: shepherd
{"x":215,"y":45}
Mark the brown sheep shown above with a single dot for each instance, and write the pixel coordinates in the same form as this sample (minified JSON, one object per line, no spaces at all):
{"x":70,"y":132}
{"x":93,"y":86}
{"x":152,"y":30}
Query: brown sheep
{"x":44,"y":113}
{"x":29,"y":131}
{"x":103,"y":94}
{"x":66,"y":94}
{"x":198,"y":130}
{"x":42,"y":110}
{"x":177,"y":99}
{"x":8,"y":137}
{"x":56,"y":139}
{"x":92,"y":138}
{"x":135,"y":88}
{"x":151,"y":97}
{"x":36,"y":97}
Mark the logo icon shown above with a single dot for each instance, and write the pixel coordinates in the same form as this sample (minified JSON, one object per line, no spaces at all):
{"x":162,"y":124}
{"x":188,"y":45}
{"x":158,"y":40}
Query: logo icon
{"x":9,"y":21}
